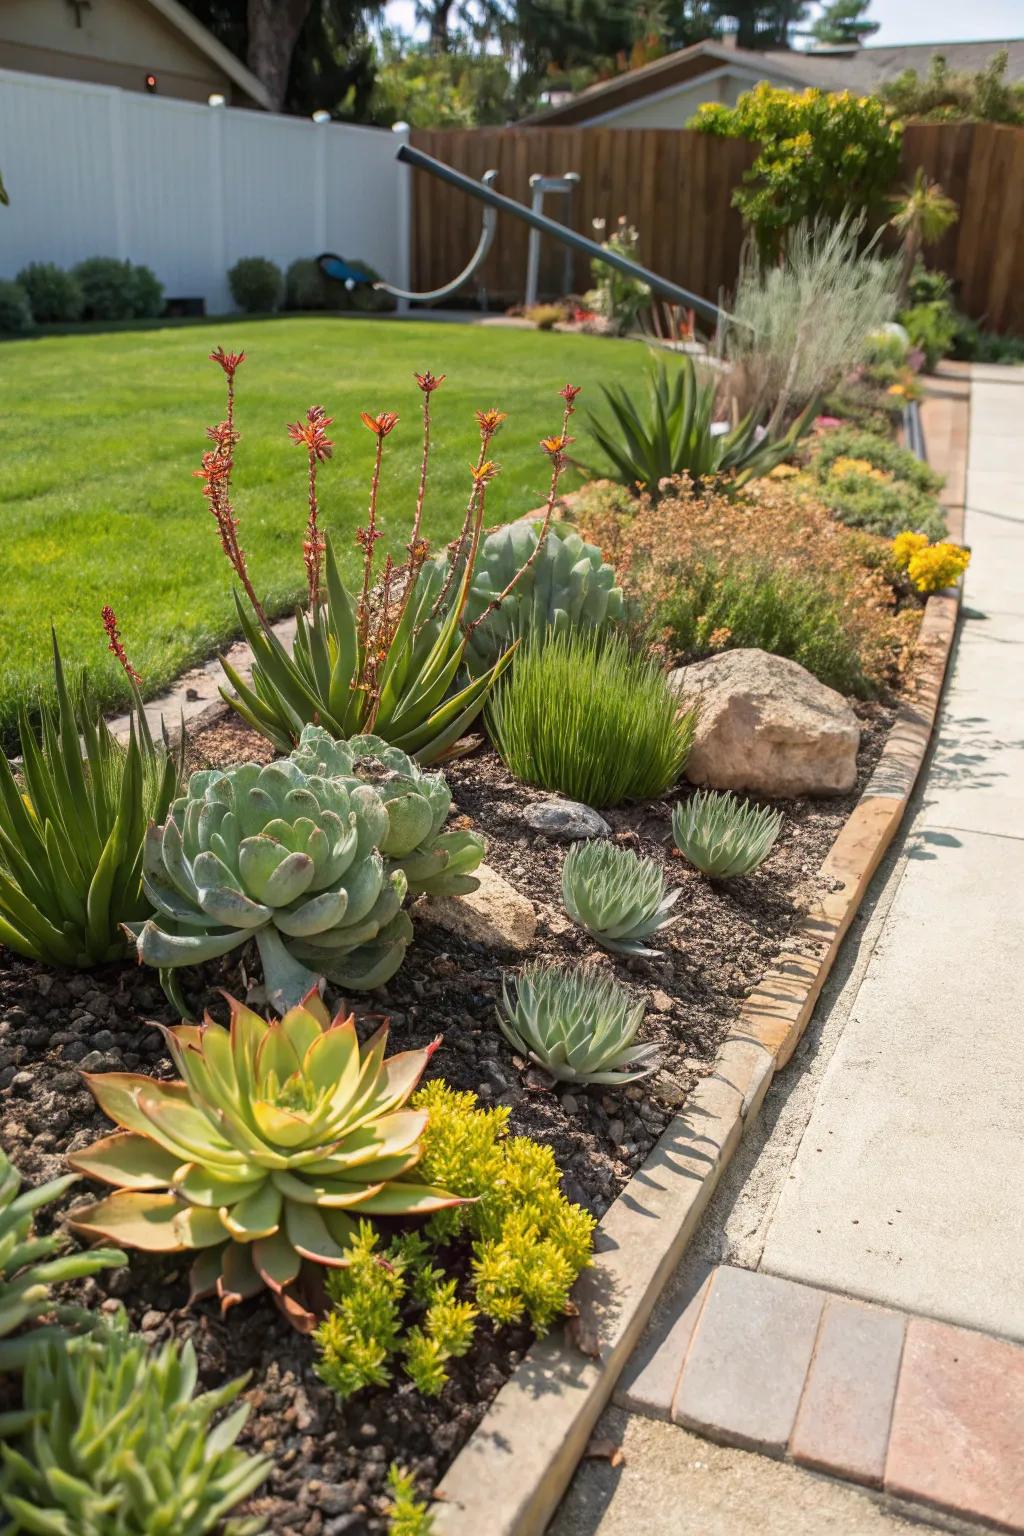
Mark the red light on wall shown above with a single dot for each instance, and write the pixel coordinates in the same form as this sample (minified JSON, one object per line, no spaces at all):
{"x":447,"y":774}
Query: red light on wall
{"x":151,"y":84}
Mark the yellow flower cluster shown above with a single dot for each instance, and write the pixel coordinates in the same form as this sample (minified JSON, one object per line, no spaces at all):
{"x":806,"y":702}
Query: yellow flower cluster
{"x":847,"y":466}
{"x":930,"y":567}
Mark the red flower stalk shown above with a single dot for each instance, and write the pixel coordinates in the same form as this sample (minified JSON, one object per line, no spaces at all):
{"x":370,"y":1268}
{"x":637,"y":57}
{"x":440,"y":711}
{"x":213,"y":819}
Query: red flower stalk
{"x":381,"y":424}
{"x":428,"y":383}
{"x":489,"y":422}
{"x":230,"y":362}
{"x":569,"y":392}
{"x":115,"y":645}
{"x":312,"y":434}
{"x":215,"y":473}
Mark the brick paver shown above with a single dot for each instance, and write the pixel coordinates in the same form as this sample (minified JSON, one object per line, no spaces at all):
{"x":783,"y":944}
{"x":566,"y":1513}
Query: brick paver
{"x":958,"y":1424}
{"x":648,"y":1384}
{"x":846,"y":1409}
{"x":748,"y":1358}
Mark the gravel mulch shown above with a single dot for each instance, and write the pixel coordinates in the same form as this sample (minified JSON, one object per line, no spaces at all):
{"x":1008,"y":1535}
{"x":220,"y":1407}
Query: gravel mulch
{"x":330,"y":1459}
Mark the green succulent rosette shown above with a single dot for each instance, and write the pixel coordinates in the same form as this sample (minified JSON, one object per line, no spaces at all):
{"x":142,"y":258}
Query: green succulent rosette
{"x":433,"y":861}
{"x":289,"y":859}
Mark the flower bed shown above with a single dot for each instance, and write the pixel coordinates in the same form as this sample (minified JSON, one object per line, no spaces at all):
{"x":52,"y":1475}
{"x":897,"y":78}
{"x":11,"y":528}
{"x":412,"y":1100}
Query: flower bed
{"x":253,"y":1187}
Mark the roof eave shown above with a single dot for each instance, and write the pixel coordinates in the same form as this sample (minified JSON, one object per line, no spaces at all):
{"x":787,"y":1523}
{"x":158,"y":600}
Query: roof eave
{"x":183,"y":21}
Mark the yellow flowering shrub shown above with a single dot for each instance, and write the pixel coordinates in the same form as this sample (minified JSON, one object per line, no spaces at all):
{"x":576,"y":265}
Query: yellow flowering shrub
{"x":906,"y":544}
{"x":847,"y":466}
{"x":937,"y":567}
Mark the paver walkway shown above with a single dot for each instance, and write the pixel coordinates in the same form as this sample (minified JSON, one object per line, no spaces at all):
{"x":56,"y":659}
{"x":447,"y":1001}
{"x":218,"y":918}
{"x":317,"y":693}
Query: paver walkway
{"x":907,"y":1187}
{"x":891,"y":1172}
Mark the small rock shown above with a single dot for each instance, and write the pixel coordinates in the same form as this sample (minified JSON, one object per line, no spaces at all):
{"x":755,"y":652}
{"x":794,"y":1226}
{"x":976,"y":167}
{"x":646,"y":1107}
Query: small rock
{"x":495,"y":915}
{"x":21,"y":1084}
{"x":661,"y":1001}
{"x":91,"y":1061}
{"x":616,"y":1131}
{"x":566,"y":819}
{"x":569,"y":1104}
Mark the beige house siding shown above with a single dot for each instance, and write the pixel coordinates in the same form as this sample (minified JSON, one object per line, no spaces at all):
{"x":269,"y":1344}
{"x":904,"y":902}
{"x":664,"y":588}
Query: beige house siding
{"x":118,"y":43}
{"x":676,"y":106}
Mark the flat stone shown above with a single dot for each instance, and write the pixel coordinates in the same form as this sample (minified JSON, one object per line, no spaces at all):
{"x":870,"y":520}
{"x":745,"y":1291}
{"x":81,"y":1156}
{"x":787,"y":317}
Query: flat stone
{"x":495,"y":914}
{"x":843,"y":1423}
{"x":958,"y":1424}
{"x":766,"y":725}
{"x":566,"y":819}
{"x":748,"y":1359}
{"x":649,"y":1382}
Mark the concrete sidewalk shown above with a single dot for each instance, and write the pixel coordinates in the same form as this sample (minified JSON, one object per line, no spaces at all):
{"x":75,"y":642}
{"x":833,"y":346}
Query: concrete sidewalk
{"x":906,"y":1186}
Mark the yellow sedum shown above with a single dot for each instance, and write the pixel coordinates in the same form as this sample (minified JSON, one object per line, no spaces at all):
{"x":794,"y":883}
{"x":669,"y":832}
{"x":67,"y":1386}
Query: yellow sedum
{"x":937,"y":567}
{"x":905,"y":545}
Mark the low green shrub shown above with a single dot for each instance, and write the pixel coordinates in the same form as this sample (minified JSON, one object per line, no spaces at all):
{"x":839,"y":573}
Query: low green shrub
{"x":113,"y":1440}
{"x":528,"y":1243}
{"x":256,"y":284}
{"x":55,"y":295}
{"x":974,"y":345}
{"x":932,"y":328}
{"x":750,"y":601}
{"x":591,"y":717}
{"x":15,"y":310}
{"x":306,"y":287}
{"x":409,"y":1515}
{"x":118,"y":290}
{"x":882,"y":507}
{"x":545,"y":316}
{"x":877,"y":450}
{"x":885,"y":348}
{"x":365,"y":296}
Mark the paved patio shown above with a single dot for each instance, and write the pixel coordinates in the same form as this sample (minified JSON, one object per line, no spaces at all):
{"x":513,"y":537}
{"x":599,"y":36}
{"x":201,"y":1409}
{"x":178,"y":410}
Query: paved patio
{"x":888,"y":1162}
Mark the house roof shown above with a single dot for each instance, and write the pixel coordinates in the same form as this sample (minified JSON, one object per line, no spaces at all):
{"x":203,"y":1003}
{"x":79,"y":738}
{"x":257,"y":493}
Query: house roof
{"x":860,"y":69}
{"x":184,"y":22}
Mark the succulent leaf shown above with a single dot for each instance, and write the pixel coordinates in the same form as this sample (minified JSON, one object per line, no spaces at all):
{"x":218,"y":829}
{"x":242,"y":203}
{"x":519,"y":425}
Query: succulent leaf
{"x":616,"y":895}
{"x":576,"y":1024}
{"x":275,"y":1131}
{"x":722,"y":836}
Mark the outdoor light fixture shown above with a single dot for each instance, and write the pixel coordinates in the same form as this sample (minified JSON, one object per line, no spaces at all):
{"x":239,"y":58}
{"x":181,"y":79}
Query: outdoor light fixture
{"x":151,"y":84}
{"x":216,"y":100}
{"x":321,"y":116}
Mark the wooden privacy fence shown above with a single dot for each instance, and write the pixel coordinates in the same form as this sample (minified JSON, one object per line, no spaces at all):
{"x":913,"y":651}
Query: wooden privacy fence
{"x":676,"y":187}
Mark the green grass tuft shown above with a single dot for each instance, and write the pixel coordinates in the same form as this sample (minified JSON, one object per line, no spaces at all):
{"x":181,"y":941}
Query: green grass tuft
{"x":591,"y":717}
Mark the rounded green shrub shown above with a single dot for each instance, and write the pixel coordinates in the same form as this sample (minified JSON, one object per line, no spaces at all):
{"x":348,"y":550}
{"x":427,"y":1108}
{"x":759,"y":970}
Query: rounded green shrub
{"x":877,"y":450}
{"x":364,"y":296}
{"x":256,"y":284}
{"x":55,"y":295}
{"x":147,"y":294}
{"x":15,"y":310}
{"x":107,"y":288}
{"x":305,"y":286}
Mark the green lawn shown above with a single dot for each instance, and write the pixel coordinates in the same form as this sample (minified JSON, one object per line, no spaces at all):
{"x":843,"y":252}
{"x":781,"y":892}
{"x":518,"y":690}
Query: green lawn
{"x":99,"y":436}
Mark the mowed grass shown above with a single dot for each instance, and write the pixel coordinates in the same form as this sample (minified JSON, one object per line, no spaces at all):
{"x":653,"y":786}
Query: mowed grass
{"x":99,"y":436}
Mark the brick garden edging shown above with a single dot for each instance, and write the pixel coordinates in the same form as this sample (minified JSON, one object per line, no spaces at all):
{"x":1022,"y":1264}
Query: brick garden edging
{"x":510,"y":1476}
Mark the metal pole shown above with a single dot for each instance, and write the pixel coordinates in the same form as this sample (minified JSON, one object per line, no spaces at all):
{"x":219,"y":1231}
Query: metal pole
{"x":668,"y":290}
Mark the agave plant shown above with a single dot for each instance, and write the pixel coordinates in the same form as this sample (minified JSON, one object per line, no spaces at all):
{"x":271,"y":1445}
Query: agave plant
{"x":616,"y":895}
{"x":117,"y":1445}
{"x":390,"y":661}
{"x":575,"y":1023}
{"x":279,"y":1136}
{"x":72,"y":826}
{"x":675,"y":434}
{"x":567,"y":584}
{"x":722,"y":836}
{"x":283,"y":857}
{"x":29,"y":1265}
{"x":439,"y":863}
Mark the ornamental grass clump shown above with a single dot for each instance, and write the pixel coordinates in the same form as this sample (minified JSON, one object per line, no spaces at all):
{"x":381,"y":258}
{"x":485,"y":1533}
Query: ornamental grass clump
{"x":115,"y":1443}
{"x":617,"y":895}
{"x":433,"y":861}
{"x":72,"y":823}
{"x":722,"y":836}
{"x":575,"y":1023}
{"x":30,"y":1265}
{"x":390,"y":661}
{"x":284,"y":857}
{"x":591,"y":717}
{"x":277,"y":1137}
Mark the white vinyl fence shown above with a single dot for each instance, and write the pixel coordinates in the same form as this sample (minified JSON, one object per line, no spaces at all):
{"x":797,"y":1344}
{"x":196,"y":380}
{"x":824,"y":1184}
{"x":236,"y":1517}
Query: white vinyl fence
{"x":188,"y":189}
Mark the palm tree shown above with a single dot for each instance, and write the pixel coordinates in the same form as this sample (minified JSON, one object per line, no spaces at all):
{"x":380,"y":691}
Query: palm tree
{"x":923,"y":213}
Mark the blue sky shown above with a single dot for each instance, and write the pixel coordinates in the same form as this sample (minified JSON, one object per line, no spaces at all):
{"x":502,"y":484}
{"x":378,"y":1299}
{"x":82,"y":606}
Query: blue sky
{"x":903,"y":21}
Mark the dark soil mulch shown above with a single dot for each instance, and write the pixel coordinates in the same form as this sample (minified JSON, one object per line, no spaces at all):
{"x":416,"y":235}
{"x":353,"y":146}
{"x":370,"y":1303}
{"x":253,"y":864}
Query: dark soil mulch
{"x":330,"y":1459}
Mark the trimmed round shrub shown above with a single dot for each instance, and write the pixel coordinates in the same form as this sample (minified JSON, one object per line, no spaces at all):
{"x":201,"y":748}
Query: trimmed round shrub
{"x":107,"y":288}
{"x":15,"y":310}
{"x":55,"y":295}
{"x":147,"y":294}
{"x":305,"y":286}
{"x":364,"y":296}
{"x":256,"y":284}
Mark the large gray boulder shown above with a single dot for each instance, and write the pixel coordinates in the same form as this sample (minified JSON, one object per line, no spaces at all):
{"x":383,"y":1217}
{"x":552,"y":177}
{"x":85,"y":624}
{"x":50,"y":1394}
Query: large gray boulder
{"x":766,"y":725}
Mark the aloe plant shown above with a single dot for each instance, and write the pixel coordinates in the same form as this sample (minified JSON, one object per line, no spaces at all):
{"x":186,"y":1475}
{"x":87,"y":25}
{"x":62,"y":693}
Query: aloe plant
{"x":278,"y":1137}
{"x":617,"y":896}
{"x":568,"y":585}
{"x":674,"y":433}
{"x":576,"y":1024}
{"x":72,"y":824}
{"x":116,"y":1443}
{"x":286,"y":858}
{"x":433,"y":861}
{"x":30,"y":1265}
{"x":722,"y":836}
